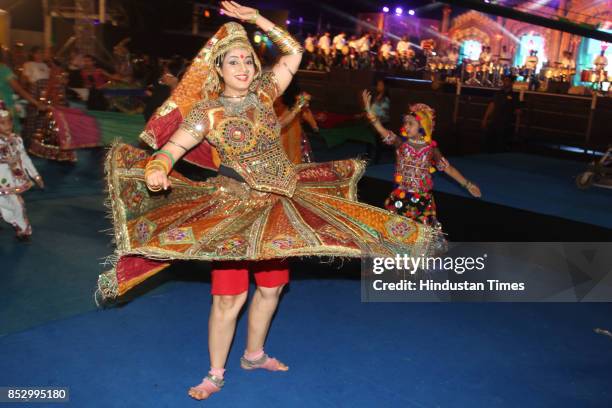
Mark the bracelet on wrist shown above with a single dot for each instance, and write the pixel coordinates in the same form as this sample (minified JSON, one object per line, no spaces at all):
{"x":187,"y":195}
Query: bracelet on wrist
{"x":166,"y":154}
{"x":253,"y":19}
{"x":157,"y":164}
{"x":284,"y":41}
{"x":180,"y":146}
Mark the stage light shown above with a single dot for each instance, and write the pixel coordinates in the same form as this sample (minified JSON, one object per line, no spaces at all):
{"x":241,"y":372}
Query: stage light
{"x":301,"y":20}
{"x":288,"y":22}
{"x":206,"y":13}
{"x":398,"y":11}
{"x":257,"y":38}
{"x":385,"y":9}
{"x":411,"y":12}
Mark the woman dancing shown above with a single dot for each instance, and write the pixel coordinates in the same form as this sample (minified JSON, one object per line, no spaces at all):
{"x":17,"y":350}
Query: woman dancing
{"x":46,"y":141}
{"x":259,"y":210}
{"x":294,"y":139}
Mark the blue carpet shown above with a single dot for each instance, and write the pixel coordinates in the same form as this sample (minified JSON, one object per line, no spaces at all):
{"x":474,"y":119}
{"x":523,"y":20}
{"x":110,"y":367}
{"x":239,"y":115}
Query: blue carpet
{"x":342,"y":353}
{"x":54,"y":275}
{"x":534,"y":183}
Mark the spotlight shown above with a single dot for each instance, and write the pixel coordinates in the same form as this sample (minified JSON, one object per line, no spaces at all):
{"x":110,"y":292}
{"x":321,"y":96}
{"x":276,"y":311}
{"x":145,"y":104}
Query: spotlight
{"x":398,"y":11}
{"x":301,"y":20}
{"x":411,"y":12}
{"x":385,"y":9}
{"x":221,"y":12}
{"x":288,"y":22}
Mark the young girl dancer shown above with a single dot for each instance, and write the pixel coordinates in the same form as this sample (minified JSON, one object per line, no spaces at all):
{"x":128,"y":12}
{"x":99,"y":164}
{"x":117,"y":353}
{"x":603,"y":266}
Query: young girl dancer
{"x":417,"y":157}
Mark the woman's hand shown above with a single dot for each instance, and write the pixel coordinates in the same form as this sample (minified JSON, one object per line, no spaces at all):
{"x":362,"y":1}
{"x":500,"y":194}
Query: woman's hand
{"x":169,"y":80}
{"x":235,"y":10}
{"x":157,"y":180}
{"x":39,"y":182}
{"x":366,"y":97}
{"x":302,"y":101}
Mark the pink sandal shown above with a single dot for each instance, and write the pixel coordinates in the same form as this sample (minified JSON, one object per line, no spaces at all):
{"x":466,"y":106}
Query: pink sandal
{"x":209,"y":385}
{"x":265,"y":362}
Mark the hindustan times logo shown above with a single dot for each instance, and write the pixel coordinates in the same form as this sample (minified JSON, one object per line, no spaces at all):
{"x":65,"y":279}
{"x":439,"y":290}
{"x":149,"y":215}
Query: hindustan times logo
{"x":410,"y":264}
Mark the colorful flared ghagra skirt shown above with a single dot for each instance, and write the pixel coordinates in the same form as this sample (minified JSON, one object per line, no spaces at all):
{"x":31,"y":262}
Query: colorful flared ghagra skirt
{"x":223,"y":219}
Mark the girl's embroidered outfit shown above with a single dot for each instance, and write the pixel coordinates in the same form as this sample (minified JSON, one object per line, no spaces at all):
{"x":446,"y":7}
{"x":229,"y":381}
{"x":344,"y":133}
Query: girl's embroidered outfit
{"x":16,"y":174}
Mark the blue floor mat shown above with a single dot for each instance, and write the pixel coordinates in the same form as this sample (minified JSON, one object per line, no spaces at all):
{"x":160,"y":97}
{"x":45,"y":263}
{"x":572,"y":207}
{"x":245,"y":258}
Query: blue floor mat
{"x":342,"y":353}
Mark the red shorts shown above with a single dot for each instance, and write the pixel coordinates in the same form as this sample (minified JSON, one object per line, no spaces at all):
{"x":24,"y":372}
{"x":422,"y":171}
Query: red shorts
{"x":232,"y":277}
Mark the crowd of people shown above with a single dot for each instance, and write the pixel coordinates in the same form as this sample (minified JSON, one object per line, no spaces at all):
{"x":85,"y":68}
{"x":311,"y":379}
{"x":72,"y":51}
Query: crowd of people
{"x":35,"y":88}
{"x":369,"y":51}
{"x":85,"y":76}
{"x":374,"y":51}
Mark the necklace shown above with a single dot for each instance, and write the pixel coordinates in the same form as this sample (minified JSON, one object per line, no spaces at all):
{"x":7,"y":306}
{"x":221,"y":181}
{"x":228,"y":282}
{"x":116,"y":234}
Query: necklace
{"x":234,"y":96}
{"x":238,"y":107}
{"x":417,"y":142}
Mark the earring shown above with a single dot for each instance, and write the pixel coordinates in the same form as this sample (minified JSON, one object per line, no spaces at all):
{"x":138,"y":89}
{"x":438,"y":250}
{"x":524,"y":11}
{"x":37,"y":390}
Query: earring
{"x":255,"y":82}
{"x":213,"y":84}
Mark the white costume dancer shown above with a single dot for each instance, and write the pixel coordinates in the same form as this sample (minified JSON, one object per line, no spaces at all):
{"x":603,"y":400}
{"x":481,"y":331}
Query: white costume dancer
{"x":16,"y":174}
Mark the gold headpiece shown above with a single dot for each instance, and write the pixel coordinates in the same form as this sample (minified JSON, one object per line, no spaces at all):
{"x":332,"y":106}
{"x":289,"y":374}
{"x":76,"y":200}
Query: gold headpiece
{"x":230,"y":36}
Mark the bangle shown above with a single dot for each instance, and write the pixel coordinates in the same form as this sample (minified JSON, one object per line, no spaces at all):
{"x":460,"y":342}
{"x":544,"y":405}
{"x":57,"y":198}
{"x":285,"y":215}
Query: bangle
{"x":165,"y":159}
{"x":178,"y":145}
{"x":388,"y":137}
{"x":253,"y":19}
{"x":167,"y":154}
{"x":151,"y":170}
{"x":157,"y":164}
{"x":284,"y":41}
{"x":154,"y":189}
